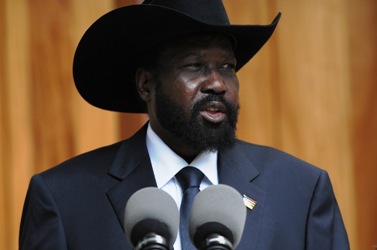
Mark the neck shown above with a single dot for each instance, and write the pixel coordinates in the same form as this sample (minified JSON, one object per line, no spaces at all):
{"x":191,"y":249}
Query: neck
{"x":176,"y":144}
{"x":181,"y":149}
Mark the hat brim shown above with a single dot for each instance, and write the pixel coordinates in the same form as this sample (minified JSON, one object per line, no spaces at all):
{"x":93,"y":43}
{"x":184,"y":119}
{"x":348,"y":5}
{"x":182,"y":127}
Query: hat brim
{"x":103,"y":67}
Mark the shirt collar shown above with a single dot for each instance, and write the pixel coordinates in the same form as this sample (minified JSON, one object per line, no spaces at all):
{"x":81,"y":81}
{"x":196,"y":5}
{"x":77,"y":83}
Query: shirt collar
{"x":166,"y":163}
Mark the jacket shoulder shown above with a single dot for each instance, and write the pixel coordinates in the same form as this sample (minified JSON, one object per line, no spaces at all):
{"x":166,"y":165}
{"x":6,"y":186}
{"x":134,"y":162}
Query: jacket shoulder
{"x":95,"y":159}
{"x":266,"y":158}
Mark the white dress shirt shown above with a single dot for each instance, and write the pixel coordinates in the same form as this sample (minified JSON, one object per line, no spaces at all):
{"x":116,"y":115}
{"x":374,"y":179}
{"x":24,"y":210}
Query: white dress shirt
{"x":166,"y":164}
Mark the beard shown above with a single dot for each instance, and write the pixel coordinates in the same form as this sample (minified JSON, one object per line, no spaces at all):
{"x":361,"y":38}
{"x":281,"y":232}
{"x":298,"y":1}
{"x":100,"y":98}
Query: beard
{"x":191,"y":128}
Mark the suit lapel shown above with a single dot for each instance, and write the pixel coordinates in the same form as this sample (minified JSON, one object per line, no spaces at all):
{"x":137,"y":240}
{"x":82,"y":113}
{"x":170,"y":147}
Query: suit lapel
{"x":237,"y":170}
{"x":133,"y":168}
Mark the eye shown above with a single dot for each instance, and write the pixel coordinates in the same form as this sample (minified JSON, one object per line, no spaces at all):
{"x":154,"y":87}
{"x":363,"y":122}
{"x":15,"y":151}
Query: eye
{"x":229,"y":66}
{"x":193,"y":67}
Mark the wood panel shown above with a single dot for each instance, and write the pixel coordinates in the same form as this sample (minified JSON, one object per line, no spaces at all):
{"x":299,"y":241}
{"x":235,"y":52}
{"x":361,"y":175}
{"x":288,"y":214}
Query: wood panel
{"x":3,"y":136}
{"x":44,"y":120}
{"x":3,"y":191}
{"x":16,"y":126}
{"x":363,"y":49}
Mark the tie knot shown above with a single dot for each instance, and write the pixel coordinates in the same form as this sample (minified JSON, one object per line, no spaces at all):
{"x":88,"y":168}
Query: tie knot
{"x":189,"y":177}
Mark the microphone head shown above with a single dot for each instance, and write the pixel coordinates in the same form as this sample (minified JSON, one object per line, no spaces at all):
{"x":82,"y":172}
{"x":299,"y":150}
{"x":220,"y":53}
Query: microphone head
{"x":218,"y":209}
{"x":151,"y":210}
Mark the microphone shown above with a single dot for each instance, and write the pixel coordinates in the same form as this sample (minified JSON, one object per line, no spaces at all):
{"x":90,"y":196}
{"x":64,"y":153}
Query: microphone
{"x":217,"y":218}
{"x":151,"y":220}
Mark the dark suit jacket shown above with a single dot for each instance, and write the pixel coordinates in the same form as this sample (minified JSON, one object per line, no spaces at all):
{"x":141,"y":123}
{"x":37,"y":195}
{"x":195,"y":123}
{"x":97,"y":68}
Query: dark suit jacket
{"x":80,"y":203}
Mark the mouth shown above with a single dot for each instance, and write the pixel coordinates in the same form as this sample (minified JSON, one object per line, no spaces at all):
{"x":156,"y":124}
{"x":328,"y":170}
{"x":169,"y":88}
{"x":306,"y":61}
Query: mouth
{"x":214,"y":112}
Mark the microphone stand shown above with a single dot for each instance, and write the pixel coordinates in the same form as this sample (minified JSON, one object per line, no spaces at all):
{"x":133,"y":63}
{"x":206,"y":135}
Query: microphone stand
{"x":152,"y":241}
{"x":216,"y":242}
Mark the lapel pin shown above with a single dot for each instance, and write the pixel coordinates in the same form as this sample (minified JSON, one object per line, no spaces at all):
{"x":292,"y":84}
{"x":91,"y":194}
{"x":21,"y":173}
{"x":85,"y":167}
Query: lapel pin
{"x":249,"y":203}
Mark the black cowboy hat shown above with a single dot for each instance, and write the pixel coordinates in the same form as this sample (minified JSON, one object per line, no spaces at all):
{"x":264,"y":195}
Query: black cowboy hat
{"x":104,"y":63}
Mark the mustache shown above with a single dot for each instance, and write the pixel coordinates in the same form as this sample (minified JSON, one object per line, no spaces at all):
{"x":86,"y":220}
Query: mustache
{"x":229,"y":107}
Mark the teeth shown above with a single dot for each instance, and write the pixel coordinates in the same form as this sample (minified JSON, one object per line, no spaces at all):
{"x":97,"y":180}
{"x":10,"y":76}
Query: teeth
{"x":212,"y":109}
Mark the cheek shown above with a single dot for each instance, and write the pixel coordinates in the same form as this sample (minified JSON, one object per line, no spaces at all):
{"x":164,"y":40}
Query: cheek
{"x":178,"y":99}
{"x":186,"y":99}
{"x":185,"y":93}
{"x":233,"y":92}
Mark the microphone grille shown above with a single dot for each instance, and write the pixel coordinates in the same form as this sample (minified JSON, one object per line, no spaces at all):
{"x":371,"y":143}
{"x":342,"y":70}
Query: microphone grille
{"x":218,"y":209}
{"x":151,"y":206}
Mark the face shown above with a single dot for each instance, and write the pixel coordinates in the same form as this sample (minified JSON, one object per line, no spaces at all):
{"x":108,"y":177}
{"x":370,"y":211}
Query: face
{"x":192,"y":94}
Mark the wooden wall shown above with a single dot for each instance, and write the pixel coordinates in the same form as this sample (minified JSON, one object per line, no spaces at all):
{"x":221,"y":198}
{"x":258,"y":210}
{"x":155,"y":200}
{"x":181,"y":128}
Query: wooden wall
{"x":311,"y":91}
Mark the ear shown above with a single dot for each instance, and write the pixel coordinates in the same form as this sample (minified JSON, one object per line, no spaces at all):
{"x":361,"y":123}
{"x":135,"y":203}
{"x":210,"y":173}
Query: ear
{"x":143,"y":83}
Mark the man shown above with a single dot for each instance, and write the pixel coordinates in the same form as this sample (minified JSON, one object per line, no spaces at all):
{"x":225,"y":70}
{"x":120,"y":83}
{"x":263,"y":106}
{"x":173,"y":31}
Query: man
{"x":176,"y":60}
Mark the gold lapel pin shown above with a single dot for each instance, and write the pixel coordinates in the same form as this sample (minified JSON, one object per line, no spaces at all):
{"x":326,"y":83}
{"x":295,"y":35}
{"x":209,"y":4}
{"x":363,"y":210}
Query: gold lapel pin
{"x":249,"y":203}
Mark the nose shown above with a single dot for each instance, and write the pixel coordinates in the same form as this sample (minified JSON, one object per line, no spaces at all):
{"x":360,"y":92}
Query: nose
{"x":214,"y":83}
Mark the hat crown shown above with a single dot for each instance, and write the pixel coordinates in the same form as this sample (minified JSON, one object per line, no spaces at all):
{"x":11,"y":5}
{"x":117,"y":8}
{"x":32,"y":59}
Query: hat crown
{"x":207,"y":11}
{"x":104,"y":63}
